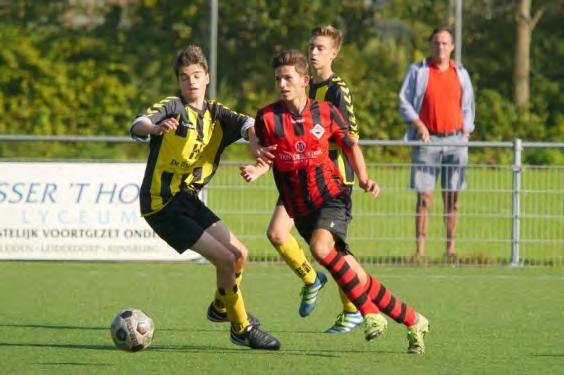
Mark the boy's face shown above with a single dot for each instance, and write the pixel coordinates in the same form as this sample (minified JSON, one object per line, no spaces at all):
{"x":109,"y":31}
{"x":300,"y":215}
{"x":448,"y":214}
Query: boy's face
{"x":322,"y":52}
{"x":193,"y":81}
{"x":290,"y":83}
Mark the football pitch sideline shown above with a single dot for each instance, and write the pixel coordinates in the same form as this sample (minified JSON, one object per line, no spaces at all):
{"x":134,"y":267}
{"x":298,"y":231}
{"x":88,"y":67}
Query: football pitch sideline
{"x":55,"y":317}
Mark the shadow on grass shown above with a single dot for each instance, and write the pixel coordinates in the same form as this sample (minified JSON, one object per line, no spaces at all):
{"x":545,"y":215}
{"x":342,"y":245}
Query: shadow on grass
{"x":70,"y":364}
{"x":218,"y":327}
{"x":76,"y":327}
{"x":59,"y":346}
{"x":201,"y":349}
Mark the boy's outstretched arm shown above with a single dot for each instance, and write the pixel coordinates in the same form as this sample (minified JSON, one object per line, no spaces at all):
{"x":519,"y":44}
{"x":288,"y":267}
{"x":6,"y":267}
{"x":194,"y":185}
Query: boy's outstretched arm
{"x":354,"y":154}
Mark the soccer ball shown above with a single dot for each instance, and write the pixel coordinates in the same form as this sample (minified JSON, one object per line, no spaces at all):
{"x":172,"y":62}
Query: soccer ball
{"x":132,"y":330}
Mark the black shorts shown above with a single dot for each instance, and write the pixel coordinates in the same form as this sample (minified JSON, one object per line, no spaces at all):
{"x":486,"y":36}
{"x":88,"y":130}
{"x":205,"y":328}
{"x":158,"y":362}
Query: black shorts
{"x":183,"y":221}
{"x":334,"y":216}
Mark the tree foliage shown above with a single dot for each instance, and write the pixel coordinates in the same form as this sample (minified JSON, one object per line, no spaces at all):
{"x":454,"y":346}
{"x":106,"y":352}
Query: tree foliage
{"x":86,"y":68}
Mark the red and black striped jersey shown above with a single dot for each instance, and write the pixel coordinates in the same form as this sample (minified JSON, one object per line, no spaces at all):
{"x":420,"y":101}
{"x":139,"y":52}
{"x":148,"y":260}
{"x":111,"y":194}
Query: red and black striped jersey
{"x":336,"y":91}
{"x":305,"y":175}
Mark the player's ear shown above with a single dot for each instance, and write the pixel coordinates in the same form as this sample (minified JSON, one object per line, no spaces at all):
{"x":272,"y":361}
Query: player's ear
{"x":334,"y":53}
{"x":306,"y":79}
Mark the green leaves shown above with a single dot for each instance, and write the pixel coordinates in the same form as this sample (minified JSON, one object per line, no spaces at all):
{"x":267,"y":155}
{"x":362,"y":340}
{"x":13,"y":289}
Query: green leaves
{"x":70,"y":69}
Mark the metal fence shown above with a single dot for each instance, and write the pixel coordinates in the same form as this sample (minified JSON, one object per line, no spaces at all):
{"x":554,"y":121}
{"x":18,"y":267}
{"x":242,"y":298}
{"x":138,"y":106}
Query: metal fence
{"x":509,"y":213}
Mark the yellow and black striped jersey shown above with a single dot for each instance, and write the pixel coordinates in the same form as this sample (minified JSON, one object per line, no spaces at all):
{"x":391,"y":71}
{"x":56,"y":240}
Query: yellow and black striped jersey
{"x":337,"y":92}
{"x":188,"y":157}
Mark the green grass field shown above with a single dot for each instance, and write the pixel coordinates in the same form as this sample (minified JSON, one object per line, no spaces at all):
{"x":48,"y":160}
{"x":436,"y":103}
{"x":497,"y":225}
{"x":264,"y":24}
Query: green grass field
{"x":54,"y":319}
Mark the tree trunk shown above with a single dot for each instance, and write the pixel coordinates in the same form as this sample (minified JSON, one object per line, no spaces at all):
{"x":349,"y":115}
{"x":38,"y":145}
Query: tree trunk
{"x":522,"y":63}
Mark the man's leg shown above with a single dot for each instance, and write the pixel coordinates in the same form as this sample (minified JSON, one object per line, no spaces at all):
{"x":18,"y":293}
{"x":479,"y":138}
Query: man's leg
{"x":450,"y":199}
{"x":453,"y":180}
{"x":421,"y":221}
{"x":425,"y":162}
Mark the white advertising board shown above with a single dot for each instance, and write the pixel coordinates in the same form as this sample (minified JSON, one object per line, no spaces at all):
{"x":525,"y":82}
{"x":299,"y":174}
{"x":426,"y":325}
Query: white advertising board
{"x":76,"y":211}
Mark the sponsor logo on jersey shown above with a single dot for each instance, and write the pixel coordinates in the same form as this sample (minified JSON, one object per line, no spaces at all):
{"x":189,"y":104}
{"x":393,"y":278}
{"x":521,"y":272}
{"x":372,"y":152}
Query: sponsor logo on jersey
{"x":317,"y":131}
{"x":300,"y":146}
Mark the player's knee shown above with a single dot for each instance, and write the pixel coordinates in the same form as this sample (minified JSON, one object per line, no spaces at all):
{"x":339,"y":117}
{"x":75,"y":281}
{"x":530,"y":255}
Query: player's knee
{"x":225,"y":264}
{"x":275,"y":236}
{"x":319,"y":249}
{"x":241,"y":255}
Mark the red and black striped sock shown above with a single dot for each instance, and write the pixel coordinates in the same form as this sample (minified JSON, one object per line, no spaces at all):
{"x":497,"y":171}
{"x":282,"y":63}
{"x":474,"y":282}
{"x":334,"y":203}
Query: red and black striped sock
{"x":348,"y":280}
{"x":388,"y":304}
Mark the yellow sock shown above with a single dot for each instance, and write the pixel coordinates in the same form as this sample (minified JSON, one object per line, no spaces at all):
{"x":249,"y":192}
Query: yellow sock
{"x":294,"y":256}
{"x":236,"y":313}
{"x":217,"y":301}
{"x":348,"y":306}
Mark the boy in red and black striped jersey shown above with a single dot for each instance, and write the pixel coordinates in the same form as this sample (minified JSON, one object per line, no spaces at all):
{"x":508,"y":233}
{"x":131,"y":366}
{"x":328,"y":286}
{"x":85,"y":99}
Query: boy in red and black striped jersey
{"x":296,"y":130}
{"x":324,"y":45}
{"x":187,"y":136}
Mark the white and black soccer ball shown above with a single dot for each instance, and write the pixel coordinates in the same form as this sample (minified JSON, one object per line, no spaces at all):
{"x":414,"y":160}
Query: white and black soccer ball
{"x":132,"y":330}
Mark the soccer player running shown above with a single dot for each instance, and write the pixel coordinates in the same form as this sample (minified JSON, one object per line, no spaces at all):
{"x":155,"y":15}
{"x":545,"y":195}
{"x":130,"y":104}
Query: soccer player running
{"x":187,"y":136}
{"x":297,"y":130}
{"x":324,"y":45}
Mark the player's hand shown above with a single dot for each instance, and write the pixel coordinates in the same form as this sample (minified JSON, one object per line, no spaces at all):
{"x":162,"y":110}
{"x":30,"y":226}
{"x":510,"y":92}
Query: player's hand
{"x":165,"y":126}
{"x":265,"y":155}
{"x":370,"y":186}
{"x":248,"y":172}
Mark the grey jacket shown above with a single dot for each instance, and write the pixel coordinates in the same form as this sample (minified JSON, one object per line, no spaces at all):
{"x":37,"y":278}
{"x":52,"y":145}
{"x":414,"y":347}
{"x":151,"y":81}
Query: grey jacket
{"x":413,"y":90}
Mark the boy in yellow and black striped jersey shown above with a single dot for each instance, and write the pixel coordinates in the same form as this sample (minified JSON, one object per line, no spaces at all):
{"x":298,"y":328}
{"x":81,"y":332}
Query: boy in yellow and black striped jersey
{"x":324,"y":45}
{"x":187,"y":136}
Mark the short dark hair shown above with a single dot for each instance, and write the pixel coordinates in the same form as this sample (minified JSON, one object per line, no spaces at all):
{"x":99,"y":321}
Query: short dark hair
{"x":188,"y":56}
{"x":291,"y":57}
{"x":440,"y":29}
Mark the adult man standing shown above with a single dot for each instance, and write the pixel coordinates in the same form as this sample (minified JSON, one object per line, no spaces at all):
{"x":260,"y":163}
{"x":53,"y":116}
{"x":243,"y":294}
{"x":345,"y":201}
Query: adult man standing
{"x":437,"y":100}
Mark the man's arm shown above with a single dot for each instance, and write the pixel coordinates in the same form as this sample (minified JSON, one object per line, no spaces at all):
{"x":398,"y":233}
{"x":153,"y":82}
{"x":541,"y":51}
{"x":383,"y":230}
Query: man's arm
{"x":421,"y":129}
{"x":468,"y":104}
{"x":406,"y":99}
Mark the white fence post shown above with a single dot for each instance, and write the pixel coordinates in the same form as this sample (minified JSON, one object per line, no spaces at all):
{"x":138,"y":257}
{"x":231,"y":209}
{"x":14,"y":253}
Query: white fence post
{"x":517,"y":169}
